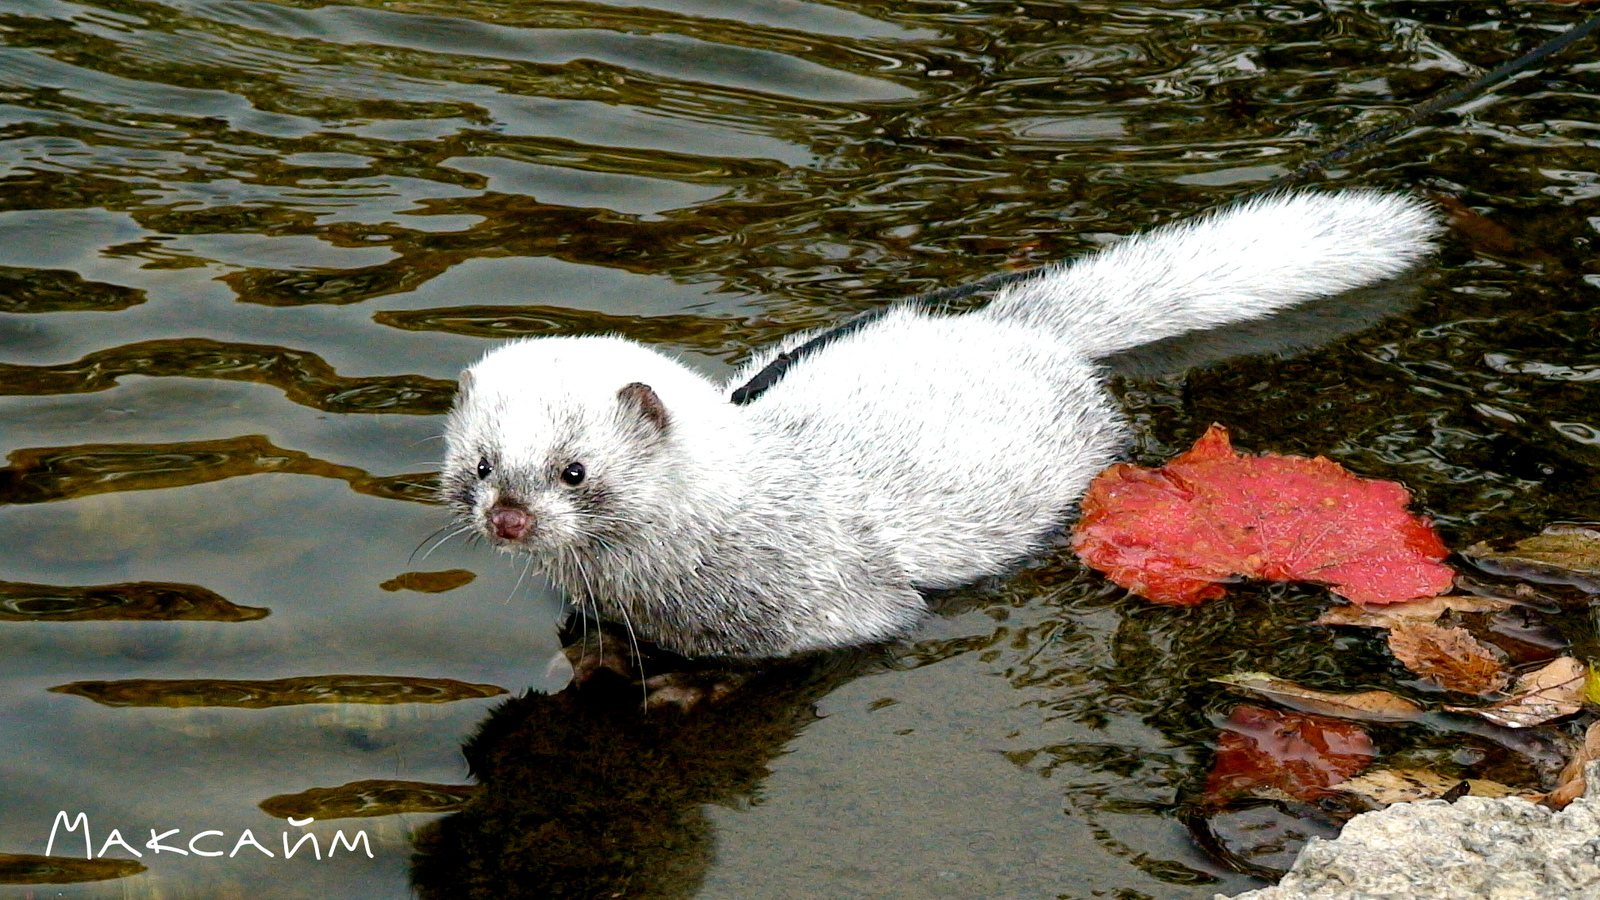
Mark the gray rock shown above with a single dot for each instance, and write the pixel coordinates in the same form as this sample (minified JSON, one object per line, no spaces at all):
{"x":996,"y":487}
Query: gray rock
{"x":1473,"y":849}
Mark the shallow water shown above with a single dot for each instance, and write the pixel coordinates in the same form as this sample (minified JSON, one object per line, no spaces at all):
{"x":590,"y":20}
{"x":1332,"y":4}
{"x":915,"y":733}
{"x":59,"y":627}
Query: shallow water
{"x":245,"y":246}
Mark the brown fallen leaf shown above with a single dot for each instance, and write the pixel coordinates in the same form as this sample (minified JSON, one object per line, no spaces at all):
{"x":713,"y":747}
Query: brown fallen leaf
{"x":429,"y":582}
{"x":1564,"y":553}
{"x":1483,"y":234}
{"x":1366,"y":706}
{"x":1572,"y":785}
{"x":1554,"y":690}
{"x":1389,"y":786}
{"x":1522,"y":593}
{"x":1426,"y":609}
{"x":1451,"y":657}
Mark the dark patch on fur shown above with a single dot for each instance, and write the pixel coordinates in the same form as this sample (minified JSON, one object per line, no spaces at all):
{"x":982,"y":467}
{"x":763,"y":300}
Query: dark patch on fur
{"x":643,"y":399}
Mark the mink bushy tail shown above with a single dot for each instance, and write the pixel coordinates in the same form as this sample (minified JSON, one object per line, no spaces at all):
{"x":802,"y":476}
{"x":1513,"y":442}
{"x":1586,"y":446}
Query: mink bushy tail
{"x":1242,"y":262}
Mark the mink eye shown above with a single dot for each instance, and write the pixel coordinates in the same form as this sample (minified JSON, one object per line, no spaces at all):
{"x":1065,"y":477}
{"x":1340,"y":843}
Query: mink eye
{"x":573,"y":474}
{"x":484,"y":468}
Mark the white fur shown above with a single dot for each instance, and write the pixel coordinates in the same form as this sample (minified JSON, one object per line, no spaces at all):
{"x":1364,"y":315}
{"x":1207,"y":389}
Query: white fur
{"x":1241,"y":263}
{"x":922,"y":451}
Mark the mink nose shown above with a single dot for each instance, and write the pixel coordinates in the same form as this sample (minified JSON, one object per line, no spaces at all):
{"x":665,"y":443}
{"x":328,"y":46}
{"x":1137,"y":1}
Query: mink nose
{"x":509,"y":522}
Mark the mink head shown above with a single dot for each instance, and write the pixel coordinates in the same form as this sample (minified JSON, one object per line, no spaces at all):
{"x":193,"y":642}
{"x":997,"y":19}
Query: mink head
{"x":565,"y":445}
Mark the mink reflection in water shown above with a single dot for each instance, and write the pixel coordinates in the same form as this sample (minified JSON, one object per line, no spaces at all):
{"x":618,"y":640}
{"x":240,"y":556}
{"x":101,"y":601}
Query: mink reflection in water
{"x":586,"y":793}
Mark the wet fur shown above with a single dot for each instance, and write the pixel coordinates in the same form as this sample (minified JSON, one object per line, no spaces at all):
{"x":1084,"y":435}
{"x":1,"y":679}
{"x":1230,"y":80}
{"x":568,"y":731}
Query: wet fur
{"x":923,"y":451}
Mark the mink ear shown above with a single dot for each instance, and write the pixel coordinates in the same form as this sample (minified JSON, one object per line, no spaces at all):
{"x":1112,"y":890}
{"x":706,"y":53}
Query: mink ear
{"x":642,"y":400}
{"x":464,"y":383}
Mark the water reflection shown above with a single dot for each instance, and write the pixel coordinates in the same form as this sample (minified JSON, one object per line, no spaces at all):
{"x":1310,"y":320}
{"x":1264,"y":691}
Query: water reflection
{"x":146,"y":601}
{"x":278,"y":692}
{"x":584,"y":793}
{"x":25,"y":290}
{"x":370,"y":797}
{"x":719,"y":337}
{"x":303,"y":376}
{"x":28,"y":868}
{"x":45,"y":474}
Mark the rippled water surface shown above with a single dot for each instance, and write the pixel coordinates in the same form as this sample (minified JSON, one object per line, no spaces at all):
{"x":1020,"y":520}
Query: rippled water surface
{"x":246,"y":245}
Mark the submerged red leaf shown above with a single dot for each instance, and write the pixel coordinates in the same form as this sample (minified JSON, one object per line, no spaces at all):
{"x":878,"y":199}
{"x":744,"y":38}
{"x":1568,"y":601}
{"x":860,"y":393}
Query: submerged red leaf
{"x":1261,"y":752}
{"x":1175,"y":533}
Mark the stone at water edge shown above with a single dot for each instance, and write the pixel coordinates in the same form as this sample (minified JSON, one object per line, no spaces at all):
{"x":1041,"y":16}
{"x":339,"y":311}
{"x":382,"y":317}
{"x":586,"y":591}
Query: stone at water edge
{"x":1476,"y":848}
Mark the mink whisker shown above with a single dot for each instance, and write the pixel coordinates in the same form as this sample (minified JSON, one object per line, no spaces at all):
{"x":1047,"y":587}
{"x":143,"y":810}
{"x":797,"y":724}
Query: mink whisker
{"x":456,"y":528}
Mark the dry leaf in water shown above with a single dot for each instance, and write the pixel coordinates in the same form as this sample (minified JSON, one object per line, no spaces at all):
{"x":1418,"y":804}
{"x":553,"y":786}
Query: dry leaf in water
{"x":1425,"y":609}
{"x":1567,"y":553}
{"x":1572,"y":785}
{"x":429,"y":582}
{"x":1450,"y":657}
{"x":1549,"y":692}
{"x":1365,"y":706}
{"x":1174,"y":534}
{"x":1389,"y":786}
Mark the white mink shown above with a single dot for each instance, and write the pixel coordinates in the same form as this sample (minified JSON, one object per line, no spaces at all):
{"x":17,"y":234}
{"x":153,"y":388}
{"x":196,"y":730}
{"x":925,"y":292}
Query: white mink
{"x":921,"y":451}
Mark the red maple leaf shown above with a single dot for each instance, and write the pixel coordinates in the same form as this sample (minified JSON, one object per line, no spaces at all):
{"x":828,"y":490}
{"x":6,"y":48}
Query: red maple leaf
{"x":1260,"y":751}
{"x":1173,"y":534}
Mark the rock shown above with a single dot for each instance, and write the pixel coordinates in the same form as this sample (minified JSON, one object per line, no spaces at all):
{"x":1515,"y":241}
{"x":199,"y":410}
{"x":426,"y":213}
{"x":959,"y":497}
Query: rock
{"x":1476,"y":848}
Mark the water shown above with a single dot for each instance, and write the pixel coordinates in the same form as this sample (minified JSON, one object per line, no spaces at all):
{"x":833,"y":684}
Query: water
{"x":245,"y":247}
